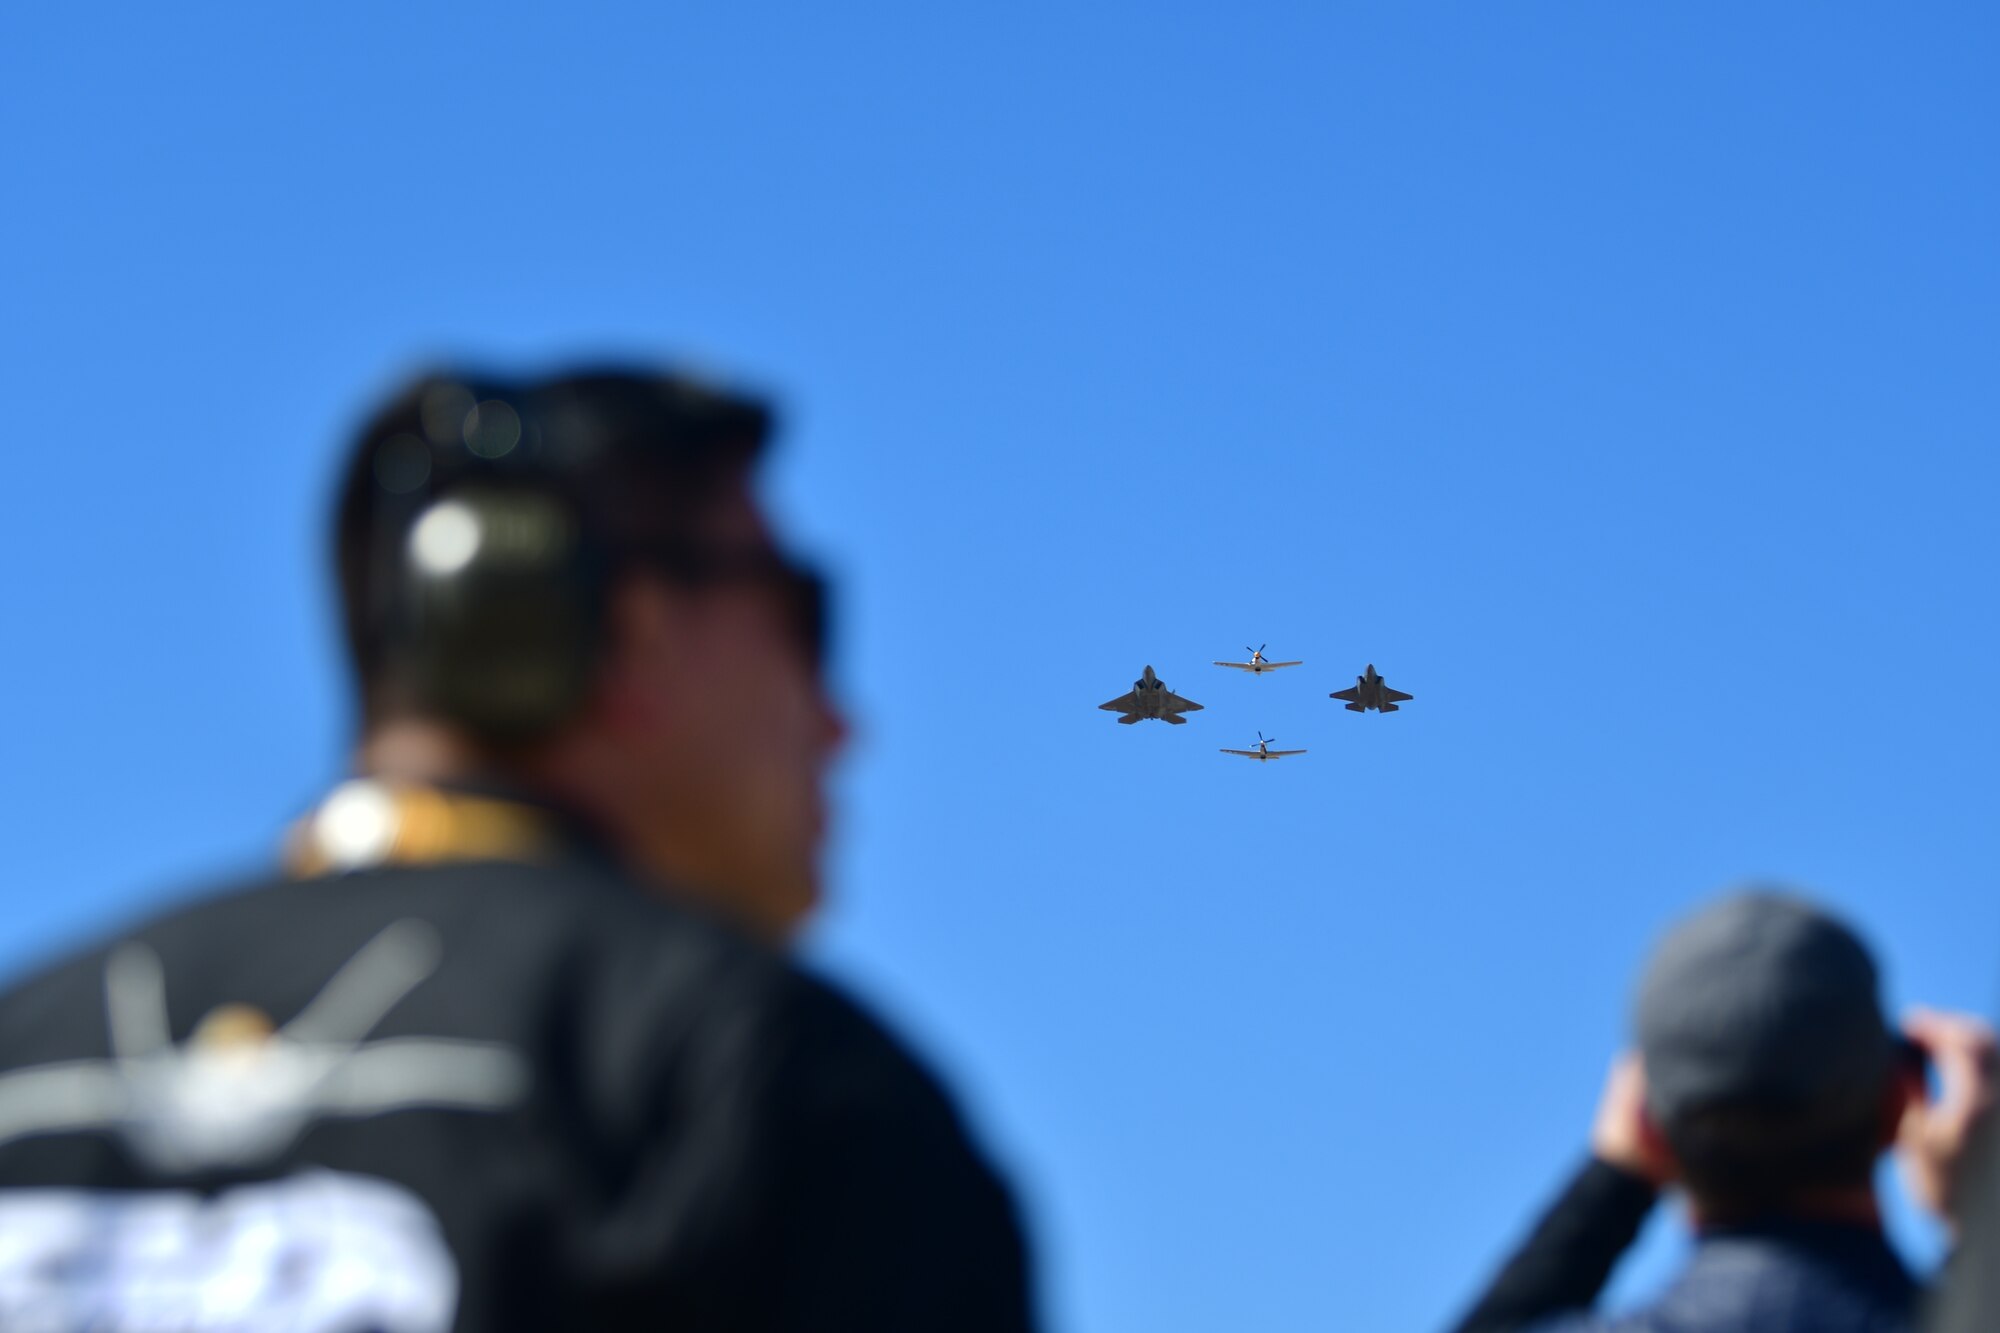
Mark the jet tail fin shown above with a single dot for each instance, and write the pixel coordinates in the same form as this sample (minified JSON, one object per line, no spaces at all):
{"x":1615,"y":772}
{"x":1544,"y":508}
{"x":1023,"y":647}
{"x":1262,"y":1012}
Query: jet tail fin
{"x":1177,"y":721}
{"x":1356,"y":708}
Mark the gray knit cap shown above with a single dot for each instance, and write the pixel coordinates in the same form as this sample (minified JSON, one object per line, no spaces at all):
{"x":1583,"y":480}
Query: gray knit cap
{"x":1762,"y":1000}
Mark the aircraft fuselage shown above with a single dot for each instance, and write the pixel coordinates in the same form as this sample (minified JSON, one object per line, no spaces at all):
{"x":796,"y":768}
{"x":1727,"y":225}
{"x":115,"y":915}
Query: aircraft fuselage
{"x":1150,"y":698}
{"x":1371,"y":691}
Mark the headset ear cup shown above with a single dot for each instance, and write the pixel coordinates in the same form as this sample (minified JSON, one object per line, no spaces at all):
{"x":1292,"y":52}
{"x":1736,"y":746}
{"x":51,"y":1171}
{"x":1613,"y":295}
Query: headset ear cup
{"x":504,"y":598}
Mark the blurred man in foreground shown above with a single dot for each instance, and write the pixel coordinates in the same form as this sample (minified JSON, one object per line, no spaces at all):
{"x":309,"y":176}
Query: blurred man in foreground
{"x":513,"y":1042}
{"x":1766,"y":1084}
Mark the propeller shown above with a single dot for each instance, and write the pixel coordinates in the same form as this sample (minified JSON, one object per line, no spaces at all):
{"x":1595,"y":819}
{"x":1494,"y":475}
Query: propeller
{"x":1255,"y":651}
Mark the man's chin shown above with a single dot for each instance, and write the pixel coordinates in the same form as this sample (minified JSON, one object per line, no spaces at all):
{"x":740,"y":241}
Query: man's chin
{"x":795,"y":907}
{"x":777,"y":896}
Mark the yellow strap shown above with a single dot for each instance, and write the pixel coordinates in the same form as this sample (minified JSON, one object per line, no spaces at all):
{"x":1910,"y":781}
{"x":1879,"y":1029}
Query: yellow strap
{"x":368,"y":823}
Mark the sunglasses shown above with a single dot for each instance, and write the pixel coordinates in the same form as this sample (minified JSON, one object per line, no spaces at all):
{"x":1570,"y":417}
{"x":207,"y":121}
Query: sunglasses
{"x":802,"y":593}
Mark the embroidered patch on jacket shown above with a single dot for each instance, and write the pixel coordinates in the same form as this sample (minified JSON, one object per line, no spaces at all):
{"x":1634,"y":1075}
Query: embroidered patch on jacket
{"x":241,"y":1089}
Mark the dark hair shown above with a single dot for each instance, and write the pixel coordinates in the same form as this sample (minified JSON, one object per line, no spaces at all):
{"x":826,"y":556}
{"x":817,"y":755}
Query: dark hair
{"x":1744,"y":1159}
{"x":636,"y":456}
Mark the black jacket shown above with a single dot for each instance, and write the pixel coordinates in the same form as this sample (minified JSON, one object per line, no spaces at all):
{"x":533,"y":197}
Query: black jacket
{"x":1778,"y":1276}
{"x":477,"y":1096}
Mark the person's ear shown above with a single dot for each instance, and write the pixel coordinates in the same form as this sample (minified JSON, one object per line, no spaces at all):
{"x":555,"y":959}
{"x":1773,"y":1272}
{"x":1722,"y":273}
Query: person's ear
{"x":1622,"y":1135}
{"x":1658,"y":1151}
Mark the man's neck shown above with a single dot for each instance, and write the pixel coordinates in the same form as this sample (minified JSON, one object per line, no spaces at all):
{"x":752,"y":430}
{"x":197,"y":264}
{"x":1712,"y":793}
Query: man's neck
{"x":425,"y":753}
{"x":413,"y":750}
{"x":1855,"y":1206}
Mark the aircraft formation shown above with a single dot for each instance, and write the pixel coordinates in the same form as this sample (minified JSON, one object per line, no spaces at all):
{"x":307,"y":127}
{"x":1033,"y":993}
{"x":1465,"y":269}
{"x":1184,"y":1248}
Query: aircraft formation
{"x":1149,"y":697}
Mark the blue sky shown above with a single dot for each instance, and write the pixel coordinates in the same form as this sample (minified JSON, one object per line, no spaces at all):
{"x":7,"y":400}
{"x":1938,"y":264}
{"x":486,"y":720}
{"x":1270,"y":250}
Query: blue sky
{"x":1618,"y":378}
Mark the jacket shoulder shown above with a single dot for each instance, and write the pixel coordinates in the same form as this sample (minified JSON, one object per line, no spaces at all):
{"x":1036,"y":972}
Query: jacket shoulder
{"x":528,"y":938}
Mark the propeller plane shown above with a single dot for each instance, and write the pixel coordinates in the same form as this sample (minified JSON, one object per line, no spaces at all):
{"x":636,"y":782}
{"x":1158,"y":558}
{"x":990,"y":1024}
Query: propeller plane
{"x":1264,"y":753}
{"x":1258,"y":663}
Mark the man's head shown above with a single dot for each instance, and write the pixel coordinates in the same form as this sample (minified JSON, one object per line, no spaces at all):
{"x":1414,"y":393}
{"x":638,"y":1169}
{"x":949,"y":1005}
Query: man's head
{"x":566,"y":584}
{"x":1770,"y":1073}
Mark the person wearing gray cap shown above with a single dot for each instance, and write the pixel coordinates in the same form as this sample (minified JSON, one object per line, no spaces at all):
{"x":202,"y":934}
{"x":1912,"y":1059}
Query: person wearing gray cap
{"x":1765,"y":1084}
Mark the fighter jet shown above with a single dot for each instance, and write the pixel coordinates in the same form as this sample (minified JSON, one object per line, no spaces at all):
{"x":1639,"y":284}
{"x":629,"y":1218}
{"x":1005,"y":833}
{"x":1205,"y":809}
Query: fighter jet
{"x":1371,"y":691}
{"x":1257,"y":665}
{"x":1263,"y":753}
{"x":1151,"y":698}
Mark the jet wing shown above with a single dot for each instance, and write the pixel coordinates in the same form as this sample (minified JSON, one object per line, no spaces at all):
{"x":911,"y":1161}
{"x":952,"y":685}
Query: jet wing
{"x":1180,"y":705}
{"x":1127,"y":702}
{"x":1352,"y":694}
{"x":60,"y":1098}
{"x":1395,"y":696}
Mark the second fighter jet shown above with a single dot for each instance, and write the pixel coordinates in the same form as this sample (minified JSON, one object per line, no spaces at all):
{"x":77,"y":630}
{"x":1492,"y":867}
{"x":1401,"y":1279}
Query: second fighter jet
{"x":1371,"y":691}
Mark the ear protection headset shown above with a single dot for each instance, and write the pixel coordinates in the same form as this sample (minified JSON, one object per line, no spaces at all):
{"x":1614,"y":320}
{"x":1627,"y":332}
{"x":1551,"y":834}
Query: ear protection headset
{"x":487,"y":591}
{"x":490,"y":577}
{"x":503,"y":598}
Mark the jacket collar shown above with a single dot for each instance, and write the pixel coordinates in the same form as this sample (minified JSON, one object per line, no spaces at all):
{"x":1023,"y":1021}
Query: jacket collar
{"x":371,"y":822}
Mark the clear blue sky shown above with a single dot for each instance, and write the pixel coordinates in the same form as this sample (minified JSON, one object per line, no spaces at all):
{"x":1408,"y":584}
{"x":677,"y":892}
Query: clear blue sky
{"x":1619,"y":378}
